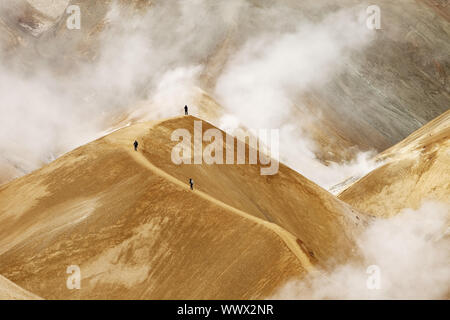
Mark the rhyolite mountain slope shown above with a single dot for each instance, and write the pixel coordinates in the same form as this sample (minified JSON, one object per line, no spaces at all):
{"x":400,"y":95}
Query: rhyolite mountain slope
{"x":130,"y":222}
{"x":415,"y":170}
{"x":10,"y":291}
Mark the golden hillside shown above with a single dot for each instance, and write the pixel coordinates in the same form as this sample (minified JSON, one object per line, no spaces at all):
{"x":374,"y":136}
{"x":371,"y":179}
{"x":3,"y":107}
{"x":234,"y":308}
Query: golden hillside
{"x":10,"y":291}
{"x":137,"y":231}
{"x":416,"y":169}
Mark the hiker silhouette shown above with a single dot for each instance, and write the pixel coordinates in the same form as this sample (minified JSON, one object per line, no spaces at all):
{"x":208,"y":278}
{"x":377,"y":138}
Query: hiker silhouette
{"x":191,"y":183}
{"x":185,"y":110}
{"x":135,"y":144}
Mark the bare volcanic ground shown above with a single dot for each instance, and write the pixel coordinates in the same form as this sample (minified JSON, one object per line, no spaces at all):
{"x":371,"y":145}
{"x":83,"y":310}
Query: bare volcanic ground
{"x":10,"y":291}
{"x":416,"y":169}
{"x":129,"y":220}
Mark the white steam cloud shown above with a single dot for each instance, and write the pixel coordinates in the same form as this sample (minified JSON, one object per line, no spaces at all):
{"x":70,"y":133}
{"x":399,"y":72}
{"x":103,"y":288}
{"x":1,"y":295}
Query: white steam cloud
{"x":411,"y":250}
{"x":262,"y":84}
{"x":148,"y":66}
{"x":144,"y":61}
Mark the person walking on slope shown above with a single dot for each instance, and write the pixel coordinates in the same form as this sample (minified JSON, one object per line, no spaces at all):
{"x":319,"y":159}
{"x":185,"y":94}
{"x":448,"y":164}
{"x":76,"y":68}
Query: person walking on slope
{"x":135,"y":144}
{"x":185,"y":110}
{"x":191,"y":183}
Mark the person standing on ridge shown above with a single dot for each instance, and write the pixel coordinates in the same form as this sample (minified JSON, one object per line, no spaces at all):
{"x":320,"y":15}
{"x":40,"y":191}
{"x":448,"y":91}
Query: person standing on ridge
{"x":191,"y":183}
{"x":135,"y":144}
{"x":185,"y":110}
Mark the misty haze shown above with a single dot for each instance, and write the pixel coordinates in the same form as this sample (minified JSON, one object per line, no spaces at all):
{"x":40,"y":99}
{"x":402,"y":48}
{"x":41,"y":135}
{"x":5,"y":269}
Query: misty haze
{"x":107,"y":191}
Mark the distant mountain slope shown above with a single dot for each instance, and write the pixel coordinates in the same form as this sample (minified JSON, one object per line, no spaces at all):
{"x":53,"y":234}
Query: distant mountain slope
{"x":386,"y":91}
{"x":416,"y":169}
{"x":129,"y":220}
{"x":389,"y":89}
